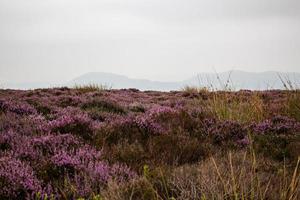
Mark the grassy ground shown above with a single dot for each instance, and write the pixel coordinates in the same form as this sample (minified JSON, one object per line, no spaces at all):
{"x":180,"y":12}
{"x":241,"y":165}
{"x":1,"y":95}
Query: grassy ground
{"x":96,"y":143}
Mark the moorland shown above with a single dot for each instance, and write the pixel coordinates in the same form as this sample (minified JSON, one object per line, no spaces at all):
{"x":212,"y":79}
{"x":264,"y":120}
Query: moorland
{"x":95,"y":143}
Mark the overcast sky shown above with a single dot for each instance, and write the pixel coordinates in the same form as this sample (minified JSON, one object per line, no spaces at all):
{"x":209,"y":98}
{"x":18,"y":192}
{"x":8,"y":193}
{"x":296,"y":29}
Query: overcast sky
{"x":57,"y":40}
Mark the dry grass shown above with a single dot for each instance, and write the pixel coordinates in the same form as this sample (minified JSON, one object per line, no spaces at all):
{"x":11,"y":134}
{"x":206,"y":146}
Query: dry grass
{"x":293,"y":105}
{"x":194,"y":89}
{"x":237,"y":176}
{"x":91,"y":88}
{"x":225,"y":107}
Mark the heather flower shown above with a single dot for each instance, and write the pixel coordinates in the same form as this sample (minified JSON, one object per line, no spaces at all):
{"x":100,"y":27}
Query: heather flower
{"x":86,"y":155}
{"x":153,"y":120}
{"x":99,"y":172}
{"x":88,"y":173}
{"x":71,"y":120}
{"x":51,"y":144}
{"x":83,"y":185}
{"x":244,"y":142}
{"x":149,"y":125}
{"x":19,"y":146}
{"x":23,"y":149}
{"x":17,"y":179}
{"x":157,"y":111}
{"x":65,"y":160}
{"x":6,"y":139}
{"x":81,"y":159}
{"x":278,"y":125}
{"x":16,"y":107}
{"x":40,"y":123}
{"x":227,"y":131}
{"x":122,"y":173}
{"x":23,"y":125}
{"x":47,"y":136}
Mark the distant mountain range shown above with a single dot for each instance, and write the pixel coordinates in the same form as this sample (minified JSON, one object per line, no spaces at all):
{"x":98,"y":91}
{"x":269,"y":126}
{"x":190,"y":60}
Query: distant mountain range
{"x":233,"y":79}
{"x":119,"y":81}
{"x":246,"y":80}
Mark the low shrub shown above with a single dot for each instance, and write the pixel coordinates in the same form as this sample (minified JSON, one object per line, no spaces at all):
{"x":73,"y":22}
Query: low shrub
{"x":278,"y":147}
{"x":70,"y":120}
{"x":103,"y":106}
{"x":176,"y":150}
{"x":293,"y":106}
{"x":132,"y":154}
{"x":125,"y":144}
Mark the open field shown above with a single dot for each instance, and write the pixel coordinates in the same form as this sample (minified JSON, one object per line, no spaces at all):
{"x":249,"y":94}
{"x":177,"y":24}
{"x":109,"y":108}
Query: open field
{"x":96,"y":143}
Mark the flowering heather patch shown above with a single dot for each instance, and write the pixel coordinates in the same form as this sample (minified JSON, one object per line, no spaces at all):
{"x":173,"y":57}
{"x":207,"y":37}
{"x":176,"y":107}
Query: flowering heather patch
{"x":226,"y":131}
{"x":157,"y":111}
{"x":17,"y":179}
{"x":25,"y":125}
{"x":49,"y":144}
{"x":103,"y":105}
{"x":20,"y":108}
{"x":64,"y":143}
{"x":73,"y":120}
{"x":277,"y":125}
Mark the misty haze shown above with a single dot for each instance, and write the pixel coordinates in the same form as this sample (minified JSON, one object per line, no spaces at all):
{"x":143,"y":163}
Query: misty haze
{"x":149,"y":99}
{"x":55,"y":41}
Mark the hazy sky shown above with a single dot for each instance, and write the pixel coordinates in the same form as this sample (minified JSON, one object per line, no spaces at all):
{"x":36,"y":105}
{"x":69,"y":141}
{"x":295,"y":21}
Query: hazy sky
{"x":57,"y":40}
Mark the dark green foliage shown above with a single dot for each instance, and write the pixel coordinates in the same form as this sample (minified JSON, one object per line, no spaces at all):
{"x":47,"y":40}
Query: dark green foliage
{"x":133,"y":154}
{"x":293,"y":105}
{"x":81,"y":129}
{"x":118,"y":134}
{"x":276,"y":146}
{"x":103,"y":106}
{"x":177,"y":150}
{"x":137,"y":108}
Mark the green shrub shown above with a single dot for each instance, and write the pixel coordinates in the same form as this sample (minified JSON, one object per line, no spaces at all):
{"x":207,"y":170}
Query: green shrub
{"x":293,"y":105}
{"x":115,"y":134}
{"x":101,"y":105}
{"x":176,"y":149}
{"x":133,"y":154}
{"x":277,"y":147}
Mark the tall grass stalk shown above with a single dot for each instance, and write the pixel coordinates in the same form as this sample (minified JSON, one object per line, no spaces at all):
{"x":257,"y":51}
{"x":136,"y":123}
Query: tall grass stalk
{"x":92,"y":87}
{"x":235,"y":188}
{"x":225,"y":107}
